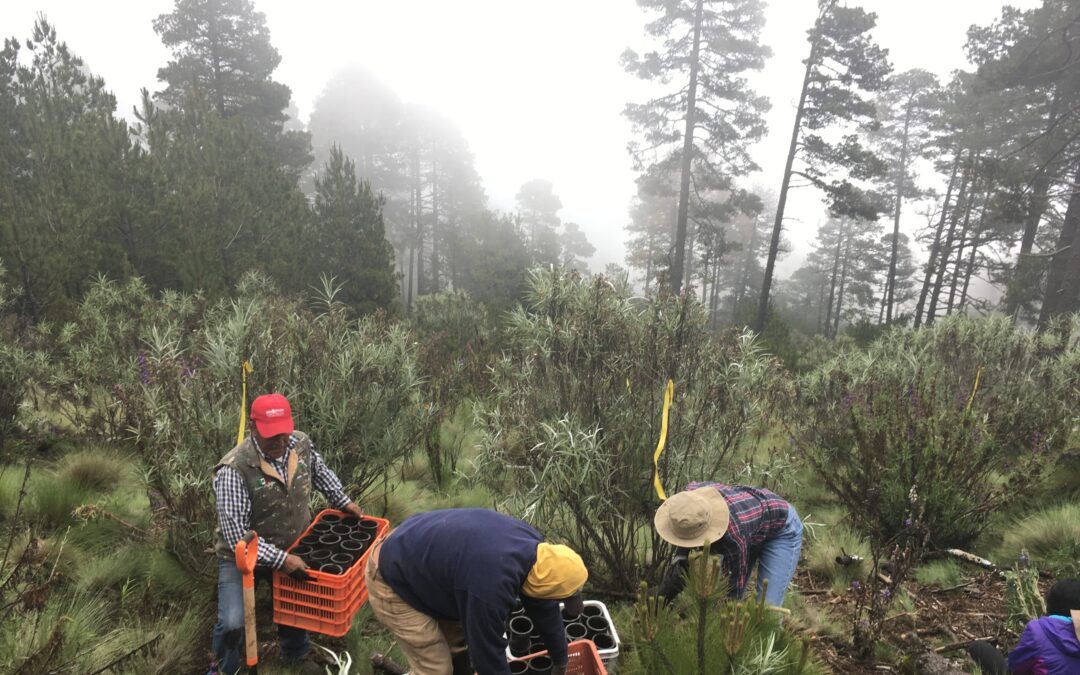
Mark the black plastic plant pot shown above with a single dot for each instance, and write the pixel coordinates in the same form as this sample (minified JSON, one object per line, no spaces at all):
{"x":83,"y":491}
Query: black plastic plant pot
{"x":567,"y":617}
{"x":346,"y":560}
{"x":592,"y":610}
{"x":341,"y":530}
{"x":330,"y":568}
{"x":604,"y":641}
{"x":368,"y":525}
{"x":576,"y":631}
{"x":597,"y":625}
{"x":320,"y":556}
{"x":350,"y":521}
{"x":319,"y":529}
{"x":519,"y":667}
{"x":302,"y":551}
{"x":539,"y":665}
{"x":353,"y":547}
{"x":331,"y":518}
{"x":330,"y":541}
{"x":310,"y":540}
{"x":360,"y":536}
{"x":520,"y":628}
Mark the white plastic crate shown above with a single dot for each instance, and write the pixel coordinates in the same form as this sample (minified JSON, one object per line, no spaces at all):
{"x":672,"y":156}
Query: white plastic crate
{"x":609,"y":656}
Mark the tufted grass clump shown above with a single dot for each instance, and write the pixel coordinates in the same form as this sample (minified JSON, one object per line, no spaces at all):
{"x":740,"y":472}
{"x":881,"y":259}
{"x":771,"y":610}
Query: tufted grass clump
{"x":940,"y":573}
{"x":1051,"y":537}
{"x":94,"y":470}
{"x":831,"y":543}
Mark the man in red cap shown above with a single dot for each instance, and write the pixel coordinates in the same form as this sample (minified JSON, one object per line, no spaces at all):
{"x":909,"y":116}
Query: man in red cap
{"x":264,"y":484}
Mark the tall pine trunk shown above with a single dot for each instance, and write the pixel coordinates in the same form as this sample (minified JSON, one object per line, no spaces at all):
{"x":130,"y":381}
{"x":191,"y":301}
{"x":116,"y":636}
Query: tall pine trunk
{"x":687,"y":157}
{"x":935,"y":247}
{"x":959,"y":265}
{"x":967,"y":190}
{"x":840,"y":294}
{"x":1027,"y":268}
{"x":435,"y":272}
{"x":833,"y":278}
{"x":781,"y":203}
{"x":1063,"y":278}
{"x":744,"y":276}
{"x":901,"y":174}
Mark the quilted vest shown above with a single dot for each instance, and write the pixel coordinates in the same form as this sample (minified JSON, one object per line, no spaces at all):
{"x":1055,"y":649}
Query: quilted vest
{"x":280,"y":510}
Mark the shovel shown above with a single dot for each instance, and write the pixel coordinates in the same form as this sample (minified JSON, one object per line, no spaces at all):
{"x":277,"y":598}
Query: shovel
{"x":247,"y":549}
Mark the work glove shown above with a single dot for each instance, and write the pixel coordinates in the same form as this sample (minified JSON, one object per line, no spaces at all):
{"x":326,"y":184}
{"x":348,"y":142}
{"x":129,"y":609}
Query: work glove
{"x":558,"y":669}
{"x":674,"y":579}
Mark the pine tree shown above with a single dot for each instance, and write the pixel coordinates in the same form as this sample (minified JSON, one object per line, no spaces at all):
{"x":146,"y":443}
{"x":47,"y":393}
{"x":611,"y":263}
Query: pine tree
{"x":906,"y":111}
{"x":707,"y":122}
{"x":538,"y":210}
{"x":844,"y":66}
{"x":64,"y":160}
{"x":349,"y":237}
{"x":222,"y":49}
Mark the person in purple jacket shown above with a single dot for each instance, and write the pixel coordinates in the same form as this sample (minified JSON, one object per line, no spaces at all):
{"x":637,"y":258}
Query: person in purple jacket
{"x":1050,"y":645}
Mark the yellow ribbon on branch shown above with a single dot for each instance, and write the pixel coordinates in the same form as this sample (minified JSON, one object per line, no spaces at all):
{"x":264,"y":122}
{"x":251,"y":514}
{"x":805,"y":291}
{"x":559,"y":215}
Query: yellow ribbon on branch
{"x":974,"y":388}
{"x":669,"y":393}
{"x":244,"y":370}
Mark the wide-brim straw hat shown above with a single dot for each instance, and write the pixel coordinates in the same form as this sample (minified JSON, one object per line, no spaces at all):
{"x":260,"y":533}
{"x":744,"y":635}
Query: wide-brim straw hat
{"x":688,"y":518}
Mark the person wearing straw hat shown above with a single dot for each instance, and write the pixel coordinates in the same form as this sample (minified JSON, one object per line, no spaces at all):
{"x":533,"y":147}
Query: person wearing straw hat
{"x":747,"y":525}
{"x":446,"y":582}
{"x":265,"y":484}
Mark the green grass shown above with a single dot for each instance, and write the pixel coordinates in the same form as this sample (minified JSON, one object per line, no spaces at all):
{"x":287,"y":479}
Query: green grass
{"x":94,"y":469}
{"x":940,"y":573}
{"x":832,"y":541}
{"x":1051,"y":537}
{"x":55,"y":497}
{"x":11,"y":480}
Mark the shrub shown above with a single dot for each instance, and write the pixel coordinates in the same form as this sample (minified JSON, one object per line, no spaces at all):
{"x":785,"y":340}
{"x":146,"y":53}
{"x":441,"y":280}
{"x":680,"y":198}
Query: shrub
{"x":936,"y":413}
{"x":1050,"y":537}
{"x":163,"y":372}
{"x":923,"y":435}
{"x":575,"y":413}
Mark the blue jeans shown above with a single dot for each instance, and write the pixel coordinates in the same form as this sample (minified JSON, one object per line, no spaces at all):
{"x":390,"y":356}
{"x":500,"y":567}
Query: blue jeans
{"x":229,"y":630}
{"x":778,"y":559}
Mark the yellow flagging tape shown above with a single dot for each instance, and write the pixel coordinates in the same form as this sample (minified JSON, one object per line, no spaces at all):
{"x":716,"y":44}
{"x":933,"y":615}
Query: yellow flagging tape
{"x":974,"y":388}
{"x":669,"y":393}
{"x":244,"y":370}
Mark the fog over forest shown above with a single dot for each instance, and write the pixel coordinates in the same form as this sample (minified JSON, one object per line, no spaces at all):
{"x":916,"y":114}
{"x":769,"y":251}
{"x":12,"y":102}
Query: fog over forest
{"x":540,"y":92}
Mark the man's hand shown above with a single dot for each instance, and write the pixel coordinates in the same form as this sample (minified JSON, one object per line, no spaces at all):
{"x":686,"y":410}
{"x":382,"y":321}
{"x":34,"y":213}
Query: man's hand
{"x":558,"y":669}
{"x":295,"y":567}
{"x":354,"y":509}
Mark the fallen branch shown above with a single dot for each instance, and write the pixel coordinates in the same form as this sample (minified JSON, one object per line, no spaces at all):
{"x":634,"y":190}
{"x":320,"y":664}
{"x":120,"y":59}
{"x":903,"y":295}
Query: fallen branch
{"x":952,"y":647}
{"x":954,"y":588}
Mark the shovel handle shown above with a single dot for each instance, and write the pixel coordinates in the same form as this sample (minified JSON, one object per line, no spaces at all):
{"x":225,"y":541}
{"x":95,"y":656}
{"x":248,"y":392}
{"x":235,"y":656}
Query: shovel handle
{"x":247,"y":550}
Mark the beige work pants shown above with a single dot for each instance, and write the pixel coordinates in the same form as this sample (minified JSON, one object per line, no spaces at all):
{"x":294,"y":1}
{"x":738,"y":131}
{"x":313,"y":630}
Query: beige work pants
{"x":428,"y":644}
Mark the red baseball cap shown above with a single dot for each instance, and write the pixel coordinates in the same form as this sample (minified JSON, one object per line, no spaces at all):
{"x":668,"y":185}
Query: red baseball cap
{"x":272,"y":415}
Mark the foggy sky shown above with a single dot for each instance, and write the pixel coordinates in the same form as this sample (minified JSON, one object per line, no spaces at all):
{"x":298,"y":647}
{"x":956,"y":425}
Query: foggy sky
{"x":536,"y":87}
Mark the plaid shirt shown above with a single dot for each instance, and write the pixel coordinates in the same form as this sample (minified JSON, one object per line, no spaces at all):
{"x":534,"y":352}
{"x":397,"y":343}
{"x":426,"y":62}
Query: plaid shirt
{"x":757,"y":515}
{"x":234,"y":503}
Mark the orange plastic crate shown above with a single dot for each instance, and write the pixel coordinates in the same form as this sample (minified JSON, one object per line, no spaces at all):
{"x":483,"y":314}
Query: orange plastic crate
{"x":327,"y":603}
{"x":583,"y":659}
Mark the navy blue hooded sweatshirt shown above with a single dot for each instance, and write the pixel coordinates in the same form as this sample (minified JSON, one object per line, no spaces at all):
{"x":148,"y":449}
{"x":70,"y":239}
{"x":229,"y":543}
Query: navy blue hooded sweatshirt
{"x":469,"y":565}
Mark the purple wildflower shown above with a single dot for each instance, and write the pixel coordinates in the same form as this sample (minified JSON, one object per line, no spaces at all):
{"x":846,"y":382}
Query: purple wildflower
{"x":855,"y":585}
{"x":907,"y":522}
{"x":887,"y":594}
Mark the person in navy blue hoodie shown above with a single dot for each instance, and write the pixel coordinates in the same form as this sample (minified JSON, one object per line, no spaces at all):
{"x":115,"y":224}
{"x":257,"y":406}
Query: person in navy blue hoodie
{"x":448,"y":580}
